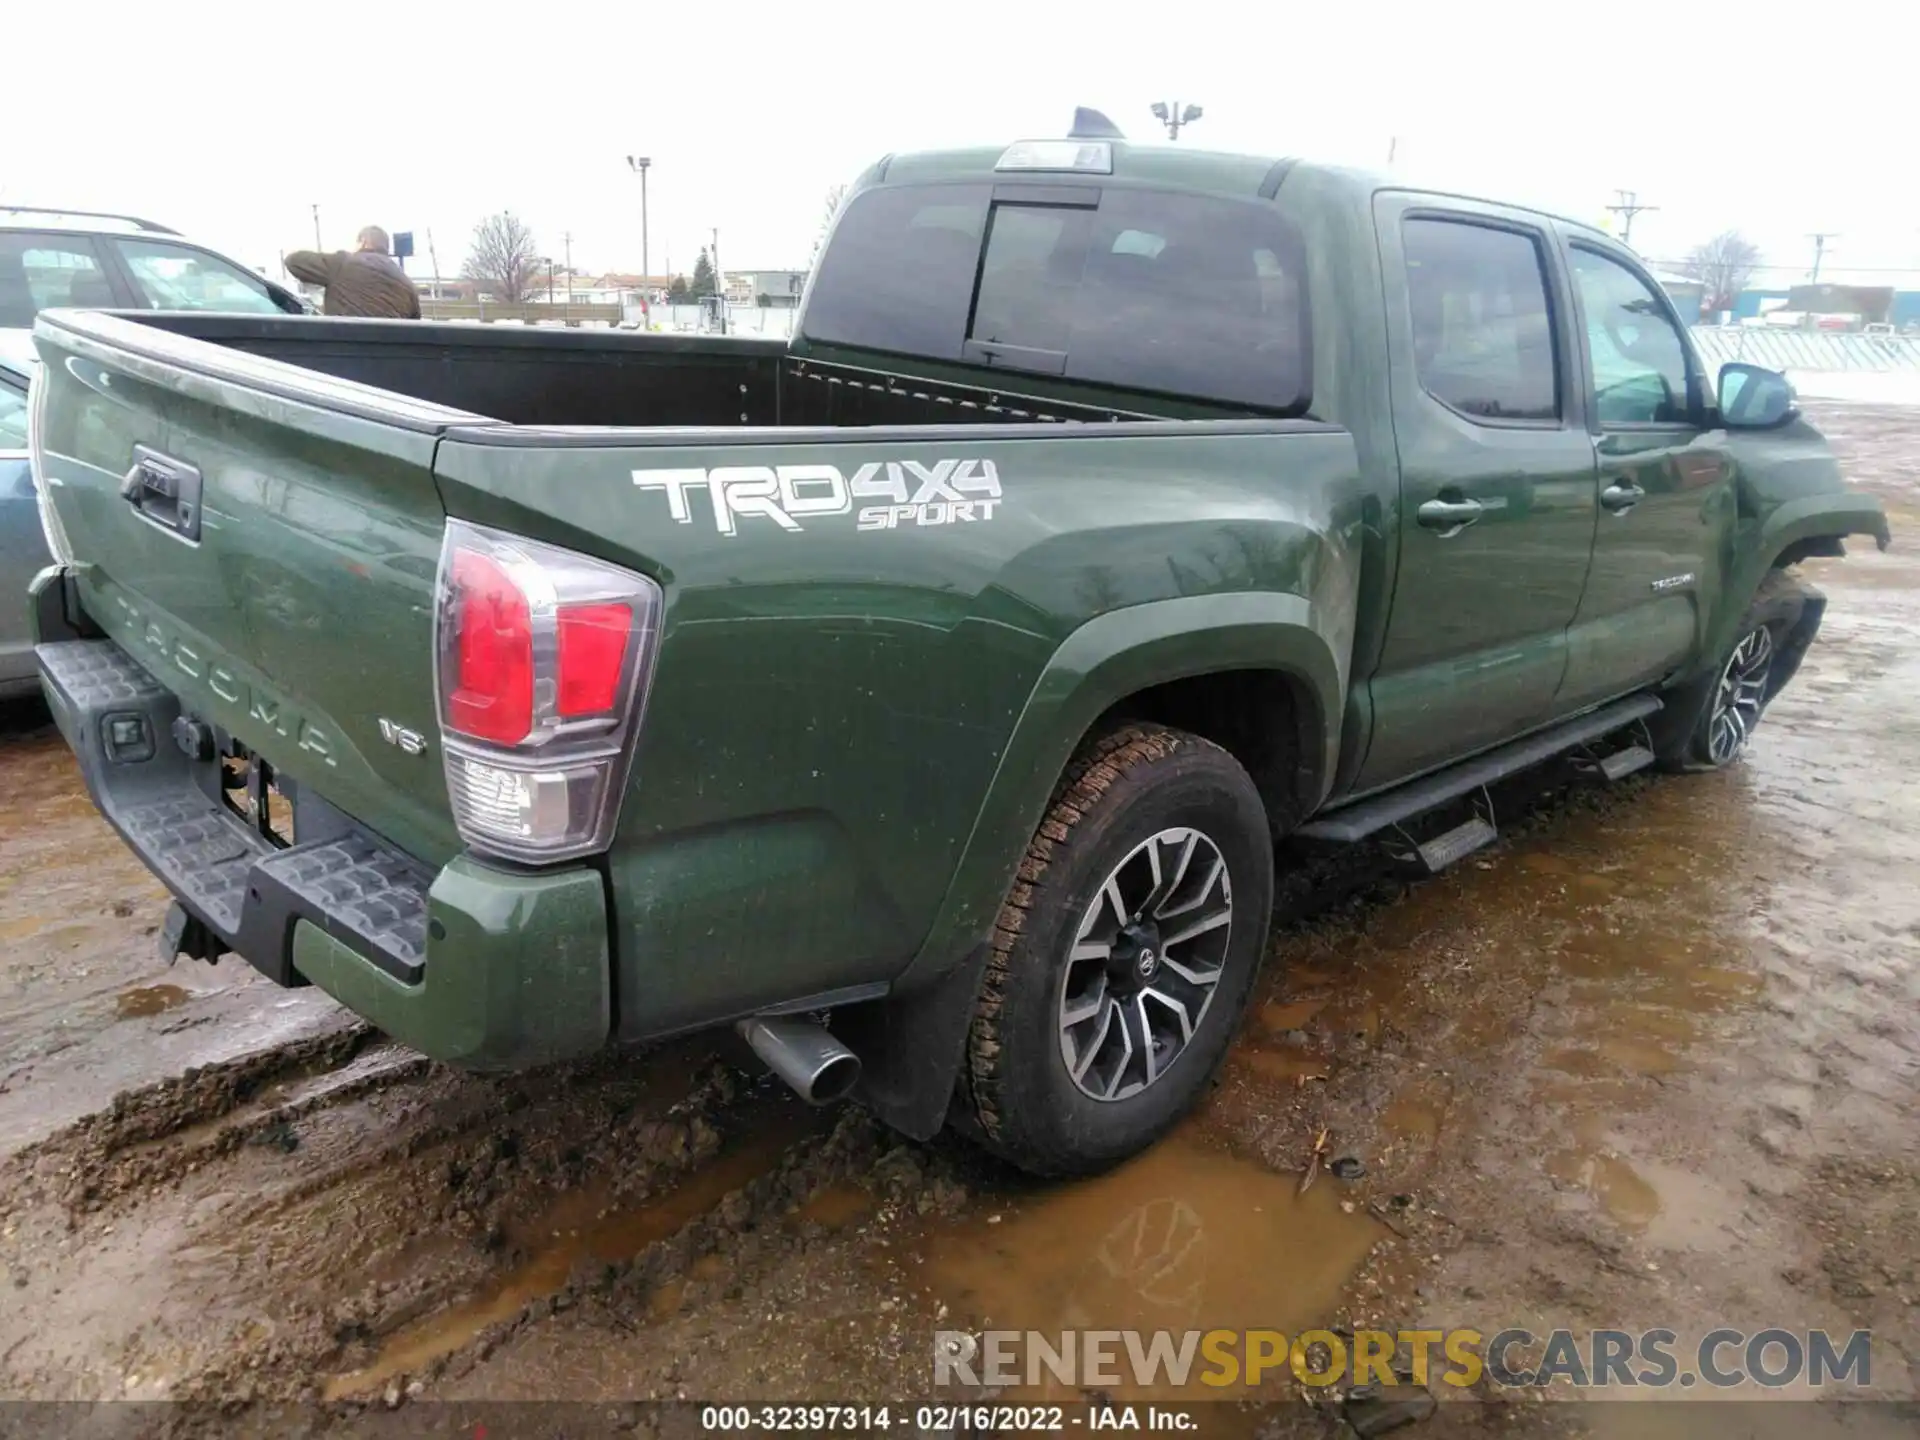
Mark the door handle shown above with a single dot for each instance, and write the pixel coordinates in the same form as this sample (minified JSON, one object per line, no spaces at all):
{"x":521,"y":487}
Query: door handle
{"x":164,"y":491}
{"x":1622,"y":496}
{"x":1449,"y":517}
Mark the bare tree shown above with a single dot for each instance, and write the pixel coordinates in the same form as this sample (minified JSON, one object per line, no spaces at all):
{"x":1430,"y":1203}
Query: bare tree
{"x":1724,"y":267}
{"x":835,"y":194}
{"x":503,"y":260}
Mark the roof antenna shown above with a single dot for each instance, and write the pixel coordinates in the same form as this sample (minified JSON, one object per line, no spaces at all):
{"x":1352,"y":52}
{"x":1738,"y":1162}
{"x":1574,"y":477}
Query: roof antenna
{"x":1092,"y":125}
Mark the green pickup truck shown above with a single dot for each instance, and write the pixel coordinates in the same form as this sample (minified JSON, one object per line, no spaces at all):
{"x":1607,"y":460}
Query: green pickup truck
{"x":924,"y":696}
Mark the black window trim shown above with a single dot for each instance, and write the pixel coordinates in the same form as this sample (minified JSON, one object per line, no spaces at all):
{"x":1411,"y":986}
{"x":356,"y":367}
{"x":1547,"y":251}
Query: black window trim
{"x":1696,"y":377}
{"x":1566,"y":396}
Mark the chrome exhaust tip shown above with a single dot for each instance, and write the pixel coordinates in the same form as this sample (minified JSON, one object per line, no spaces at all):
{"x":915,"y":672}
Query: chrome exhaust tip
{"x":818,"y":1067}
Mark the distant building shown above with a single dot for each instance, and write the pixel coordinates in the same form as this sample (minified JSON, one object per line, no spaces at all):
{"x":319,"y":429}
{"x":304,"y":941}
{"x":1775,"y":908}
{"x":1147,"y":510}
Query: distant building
{"x":1687,"y":295}
{"x":771,"y":289}
{"x":613,"y":288}
{"x":1872,"y":304}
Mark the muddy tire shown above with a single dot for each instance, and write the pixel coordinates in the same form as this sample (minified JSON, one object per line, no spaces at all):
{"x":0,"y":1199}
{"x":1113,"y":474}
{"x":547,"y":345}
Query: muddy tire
{"x":1706,"y":724}
{"x":1123,"y":955}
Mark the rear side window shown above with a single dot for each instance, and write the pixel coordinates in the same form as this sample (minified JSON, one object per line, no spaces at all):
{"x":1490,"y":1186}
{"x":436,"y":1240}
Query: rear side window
{"x":1482,"y":331}
{"x":38,"y":272}
{"x":1184,"y":295}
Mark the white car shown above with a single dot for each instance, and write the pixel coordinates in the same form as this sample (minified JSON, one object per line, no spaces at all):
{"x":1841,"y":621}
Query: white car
{"x":51,"y":258}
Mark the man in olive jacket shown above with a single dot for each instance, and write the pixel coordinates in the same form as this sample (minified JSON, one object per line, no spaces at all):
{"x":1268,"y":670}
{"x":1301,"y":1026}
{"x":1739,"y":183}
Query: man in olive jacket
{"x":367,"y":282}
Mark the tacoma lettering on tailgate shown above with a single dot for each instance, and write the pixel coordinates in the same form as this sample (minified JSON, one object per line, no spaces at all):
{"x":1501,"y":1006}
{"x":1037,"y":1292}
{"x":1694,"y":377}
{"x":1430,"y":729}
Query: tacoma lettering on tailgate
{"x":255,"y":702}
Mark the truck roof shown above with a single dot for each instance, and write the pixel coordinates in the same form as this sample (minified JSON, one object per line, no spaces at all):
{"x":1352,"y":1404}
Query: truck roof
{"x":1219,"y":172}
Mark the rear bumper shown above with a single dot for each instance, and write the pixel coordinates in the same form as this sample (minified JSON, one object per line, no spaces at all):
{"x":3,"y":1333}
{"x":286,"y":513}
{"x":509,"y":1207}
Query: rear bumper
{"x":477,"y":966}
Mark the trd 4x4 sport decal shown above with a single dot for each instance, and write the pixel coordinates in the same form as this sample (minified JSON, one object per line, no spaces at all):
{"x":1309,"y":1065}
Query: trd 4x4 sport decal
{"x":947,"y":492}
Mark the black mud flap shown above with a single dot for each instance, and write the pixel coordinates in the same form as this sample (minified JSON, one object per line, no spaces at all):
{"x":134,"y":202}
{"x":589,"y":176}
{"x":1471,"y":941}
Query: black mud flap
{"x":911,"y":1047}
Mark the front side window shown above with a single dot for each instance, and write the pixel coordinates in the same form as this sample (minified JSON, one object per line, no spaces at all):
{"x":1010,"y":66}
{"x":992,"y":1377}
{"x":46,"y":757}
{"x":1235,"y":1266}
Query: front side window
{"x":173,"y":277}
{"x":1482,"y":330}
{"x":38,"y":272}
{"x":1639,"y":360}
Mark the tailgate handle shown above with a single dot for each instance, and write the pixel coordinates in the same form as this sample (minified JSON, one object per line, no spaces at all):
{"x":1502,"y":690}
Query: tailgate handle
{"x":164,"y":492}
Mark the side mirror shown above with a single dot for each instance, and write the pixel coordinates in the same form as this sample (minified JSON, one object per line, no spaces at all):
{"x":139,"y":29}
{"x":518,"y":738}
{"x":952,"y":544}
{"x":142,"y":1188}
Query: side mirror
{"x":1754,"y":398}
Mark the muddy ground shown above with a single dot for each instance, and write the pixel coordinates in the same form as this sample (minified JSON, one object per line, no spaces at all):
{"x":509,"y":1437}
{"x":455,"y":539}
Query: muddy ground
{"x":1654,"y":1060}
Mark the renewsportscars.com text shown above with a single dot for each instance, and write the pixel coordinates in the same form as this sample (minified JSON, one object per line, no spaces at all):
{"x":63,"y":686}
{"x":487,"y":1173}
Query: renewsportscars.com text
{"x":1720,"y":1359}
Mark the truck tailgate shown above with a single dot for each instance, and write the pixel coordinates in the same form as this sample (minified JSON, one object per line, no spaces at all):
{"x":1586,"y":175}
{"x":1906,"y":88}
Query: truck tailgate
{"x":263,"y":541}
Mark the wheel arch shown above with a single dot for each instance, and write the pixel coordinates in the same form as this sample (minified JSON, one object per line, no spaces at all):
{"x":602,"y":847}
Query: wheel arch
{"x":1794,"y":531}
{"x":1181,"y":662}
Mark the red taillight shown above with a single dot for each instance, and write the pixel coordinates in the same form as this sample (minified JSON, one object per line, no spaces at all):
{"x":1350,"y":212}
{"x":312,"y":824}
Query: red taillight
{"x":492,"y":693}
{"x":542,"y":661}
{"x":593,"y":650}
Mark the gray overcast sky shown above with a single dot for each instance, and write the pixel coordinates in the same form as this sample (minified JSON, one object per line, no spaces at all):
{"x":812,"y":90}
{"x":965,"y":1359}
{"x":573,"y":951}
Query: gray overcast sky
{"x":229,"y":121}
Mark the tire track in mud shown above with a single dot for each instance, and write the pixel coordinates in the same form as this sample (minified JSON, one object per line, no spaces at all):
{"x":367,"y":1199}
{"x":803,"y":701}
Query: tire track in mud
{"x":340,"y":1217}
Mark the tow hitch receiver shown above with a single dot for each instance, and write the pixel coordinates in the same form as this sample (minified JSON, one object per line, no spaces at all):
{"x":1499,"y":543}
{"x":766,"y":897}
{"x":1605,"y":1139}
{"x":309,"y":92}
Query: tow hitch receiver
{"x":181,"y":934}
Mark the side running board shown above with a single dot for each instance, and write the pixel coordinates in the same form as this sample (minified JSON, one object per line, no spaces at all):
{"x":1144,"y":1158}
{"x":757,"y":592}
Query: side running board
{"x":1362,"y":818}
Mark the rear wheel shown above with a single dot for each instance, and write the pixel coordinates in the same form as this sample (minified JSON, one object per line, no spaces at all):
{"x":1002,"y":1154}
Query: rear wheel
{"x":1123,"y":956}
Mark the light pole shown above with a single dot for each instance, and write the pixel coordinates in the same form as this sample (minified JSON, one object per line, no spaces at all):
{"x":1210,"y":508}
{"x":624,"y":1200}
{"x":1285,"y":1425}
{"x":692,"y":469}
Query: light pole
{"x":638,"y":164}
{"x":1174,"y":116}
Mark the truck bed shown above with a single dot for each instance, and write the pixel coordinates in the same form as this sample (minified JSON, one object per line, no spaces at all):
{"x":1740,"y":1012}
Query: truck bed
{"x":552,"y":376}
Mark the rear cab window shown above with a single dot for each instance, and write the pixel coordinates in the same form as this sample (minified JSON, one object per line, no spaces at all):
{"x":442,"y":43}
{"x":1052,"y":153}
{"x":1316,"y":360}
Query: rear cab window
{"x":1165,"y":292}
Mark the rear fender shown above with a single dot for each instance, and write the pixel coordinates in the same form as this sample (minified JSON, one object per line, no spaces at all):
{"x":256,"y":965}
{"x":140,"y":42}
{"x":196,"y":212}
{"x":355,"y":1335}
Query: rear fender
{"x":1111,"y":657}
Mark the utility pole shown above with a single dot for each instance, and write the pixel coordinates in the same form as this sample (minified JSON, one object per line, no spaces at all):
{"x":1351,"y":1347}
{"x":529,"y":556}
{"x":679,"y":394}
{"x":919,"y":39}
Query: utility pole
{"x":316,"y":229}
{"x":435,"y":259}
{"x":639,"y":165}
{"x":1629,"y":206}
{"x":567,"y":240}
{"x":1175,"y":115}
{"x":719,"y":282}
{"x":1820,"y":239}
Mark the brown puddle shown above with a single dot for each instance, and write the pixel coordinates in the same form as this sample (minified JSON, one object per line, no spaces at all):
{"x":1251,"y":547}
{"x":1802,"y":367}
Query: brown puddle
{"x":22,"y":927}
{"x":1614,"y":1185}
{"x":835,"y":1207}
{"x":149,"y":1000}
{"x":610,"y":1238}
{"x":1183,"y":1238}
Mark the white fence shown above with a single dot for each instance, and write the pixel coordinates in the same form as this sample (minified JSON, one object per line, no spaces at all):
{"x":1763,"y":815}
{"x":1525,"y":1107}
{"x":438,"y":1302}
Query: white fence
{"x":1807,"y":350}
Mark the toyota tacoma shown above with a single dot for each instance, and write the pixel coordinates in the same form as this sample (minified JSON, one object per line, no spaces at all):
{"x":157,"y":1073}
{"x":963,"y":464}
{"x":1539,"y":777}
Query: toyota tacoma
{"x":923,"y":696}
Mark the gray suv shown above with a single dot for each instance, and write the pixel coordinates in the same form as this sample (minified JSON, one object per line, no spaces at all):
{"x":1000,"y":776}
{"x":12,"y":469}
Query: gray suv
{"x":51,"y":258}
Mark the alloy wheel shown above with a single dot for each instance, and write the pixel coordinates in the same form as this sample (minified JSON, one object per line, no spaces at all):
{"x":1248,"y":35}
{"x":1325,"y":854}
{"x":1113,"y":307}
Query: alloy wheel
{"x":1146,"y":960}
{"x":1738,"y":698}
